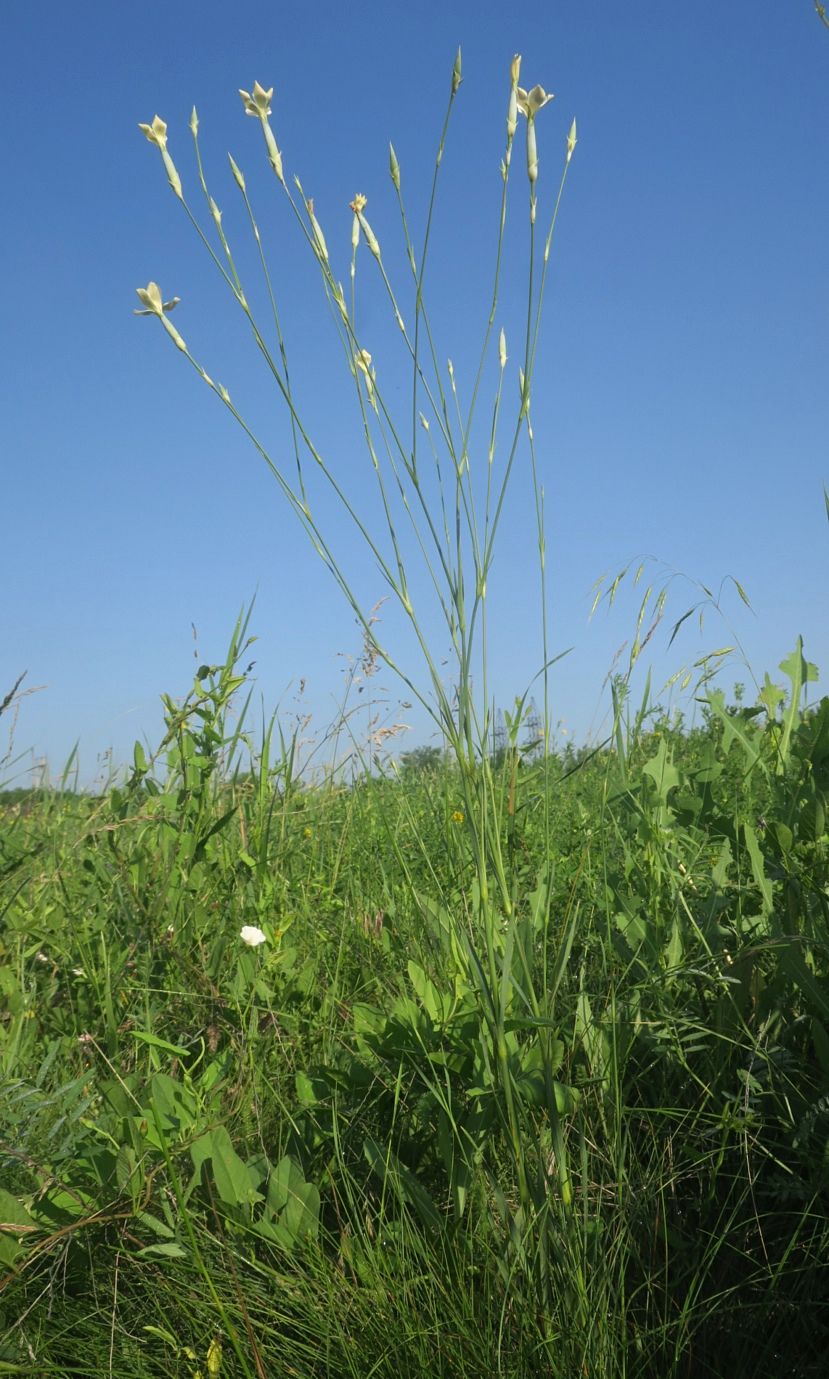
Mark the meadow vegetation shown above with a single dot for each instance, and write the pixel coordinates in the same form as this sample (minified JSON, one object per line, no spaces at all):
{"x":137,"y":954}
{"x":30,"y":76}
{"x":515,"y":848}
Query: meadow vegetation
{"x":500,"y":1061}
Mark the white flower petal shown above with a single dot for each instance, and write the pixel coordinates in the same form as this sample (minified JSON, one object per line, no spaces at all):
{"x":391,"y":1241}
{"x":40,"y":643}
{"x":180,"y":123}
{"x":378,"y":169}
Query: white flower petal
{"x":252,"y":936}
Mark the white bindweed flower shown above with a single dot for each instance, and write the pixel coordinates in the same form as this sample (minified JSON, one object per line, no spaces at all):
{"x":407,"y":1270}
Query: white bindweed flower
{"x":252,"y":936}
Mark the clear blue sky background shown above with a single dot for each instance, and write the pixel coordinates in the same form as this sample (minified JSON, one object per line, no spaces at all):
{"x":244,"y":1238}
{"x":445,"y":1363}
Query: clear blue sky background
{"x":680,"y":402}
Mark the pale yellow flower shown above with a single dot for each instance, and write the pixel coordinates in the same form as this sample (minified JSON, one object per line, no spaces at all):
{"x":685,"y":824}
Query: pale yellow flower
{"x":258,"y":103}
{"x":155,"y":132}
{"x":530,"y":102}
{"x":153,"y":305}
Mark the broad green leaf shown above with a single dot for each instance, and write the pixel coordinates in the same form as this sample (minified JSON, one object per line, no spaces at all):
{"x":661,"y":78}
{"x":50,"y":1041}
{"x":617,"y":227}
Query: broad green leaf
{"x":294,"y":1201}
{"x":230,"y":1173}
{"x":662,"y":771}
{"x":15,"y":1225}
{"x":428,"y":993}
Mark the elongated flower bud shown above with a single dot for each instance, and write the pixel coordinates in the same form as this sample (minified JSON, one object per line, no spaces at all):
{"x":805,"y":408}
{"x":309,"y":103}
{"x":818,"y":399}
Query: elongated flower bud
{"x":371,"y":238}
{"x":512,"y":115}
{"x":456,"y":73}
{"x":237,"y":173}
{"x":357,"y":206}
{"x":317,"y":229}
{"x":512,"y":112}
{"x":532,"y":152}
{"x":394,"y":168}
{"x":571,"y":141}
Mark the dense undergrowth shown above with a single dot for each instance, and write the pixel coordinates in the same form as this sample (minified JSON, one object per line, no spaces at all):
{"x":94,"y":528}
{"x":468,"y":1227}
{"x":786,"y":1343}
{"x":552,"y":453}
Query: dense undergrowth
{"x":292,"y":1157}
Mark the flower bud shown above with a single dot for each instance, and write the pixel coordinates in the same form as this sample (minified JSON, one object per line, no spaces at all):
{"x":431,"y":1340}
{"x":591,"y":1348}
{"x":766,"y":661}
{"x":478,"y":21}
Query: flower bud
{"x":317,"y":229}
{"x":456,"y":73}
{"x":371,"y":238}
{"x":571,"y":141}
{"x":394,"y":168}
{"x":237,"y":173}
{"x":512,"y":114}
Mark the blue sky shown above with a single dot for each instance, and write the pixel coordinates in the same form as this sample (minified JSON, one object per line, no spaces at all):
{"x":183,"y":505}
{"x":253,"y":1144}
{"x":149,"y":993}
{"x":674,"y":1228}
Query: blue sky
{"x":680,"y":402}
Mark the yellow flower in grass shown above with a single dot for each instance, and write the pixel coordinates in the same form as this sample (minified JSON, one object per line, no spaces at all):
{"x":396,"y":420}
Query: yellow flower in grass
{"x":458,"y":816}
{"x":214,"y":1357}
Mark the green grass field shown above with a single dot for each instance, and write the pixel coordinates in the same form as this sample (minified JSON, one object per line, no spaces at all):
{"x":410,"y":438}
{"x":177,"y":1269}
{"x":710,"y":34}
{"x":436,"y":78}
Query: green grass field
{"x":592,"y":1140}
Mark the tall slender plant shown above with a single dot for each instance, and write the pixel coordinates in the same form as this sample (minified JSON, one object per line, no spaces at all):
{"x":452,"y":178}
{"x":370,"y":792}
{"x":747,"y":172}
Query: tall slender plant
{"x":432,"y":470}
